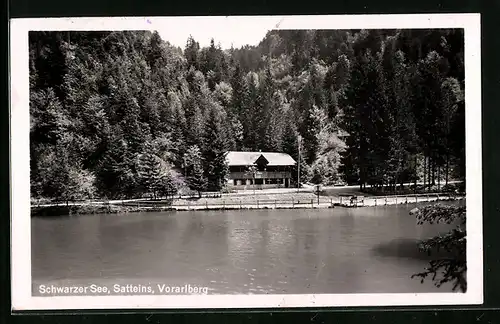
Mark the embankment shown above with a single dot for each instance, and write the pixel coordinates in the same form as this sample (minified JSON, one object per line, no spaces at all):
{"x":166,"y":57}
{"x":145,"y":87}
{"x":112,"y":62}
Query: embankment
{"x":89,"y":208}
{"x":288,"y":201}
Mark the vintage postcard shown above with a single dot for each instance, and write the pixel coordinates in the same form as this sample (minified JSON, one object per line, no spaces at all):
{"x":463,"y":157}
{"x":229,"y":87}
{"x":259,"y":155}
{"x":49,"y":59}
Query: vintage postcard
{"x":246,"y":162}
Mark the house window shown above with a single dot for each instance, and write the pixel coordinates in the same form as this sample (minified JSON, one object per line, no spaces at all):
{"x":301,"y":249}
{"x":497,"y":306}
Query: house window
{"x":235,"y":182}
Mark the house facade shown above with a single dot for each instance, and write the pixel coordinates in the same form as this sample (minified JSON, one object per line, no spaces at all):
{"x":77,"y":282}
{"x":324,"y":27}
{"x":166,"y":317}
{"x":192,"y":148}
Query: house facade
{"x":259,"y":170}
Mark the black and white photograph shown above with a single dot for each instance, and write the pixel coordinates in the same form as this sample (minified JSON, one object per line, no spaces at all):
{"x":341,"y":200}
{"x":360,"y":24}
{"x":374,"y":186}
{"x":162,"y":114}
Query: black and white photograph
{"x":246,"y":162}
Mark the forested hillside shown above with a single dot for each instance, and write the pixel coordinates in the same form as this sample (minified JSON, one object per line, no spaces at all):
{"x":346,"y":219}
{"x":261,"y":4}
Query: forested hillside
{"x":117,"y":114}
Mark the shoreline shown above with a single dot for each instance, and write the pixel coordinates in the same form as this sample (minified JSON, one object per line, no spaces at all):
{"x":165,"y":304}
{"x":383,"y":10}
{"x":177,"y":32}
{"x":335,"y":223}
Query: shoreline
{"x":90,"y":208}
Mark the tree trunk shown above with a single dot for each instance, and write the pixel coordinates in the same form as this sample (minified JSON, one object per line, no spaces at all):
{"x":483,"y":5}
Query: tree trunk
{"x":400,"y":175}
{"x":425,"y":171}
{"x":439,"y":177}
{"x":416,"y":173}
{"x":429,"y":172}
{"x":447,"y":168}
{"x":433,"y":172}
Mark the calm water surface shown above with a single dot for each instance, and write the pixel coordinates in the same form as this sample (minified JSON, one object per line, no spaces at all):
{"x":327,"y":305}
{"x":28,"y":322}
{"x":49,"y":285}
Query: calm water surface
{"x":364,"y":250}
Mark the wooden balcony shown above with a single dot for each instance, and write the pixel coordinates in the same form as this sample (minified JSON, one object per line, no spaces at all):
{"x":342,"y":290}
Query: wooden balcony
{"x":260,"y":175}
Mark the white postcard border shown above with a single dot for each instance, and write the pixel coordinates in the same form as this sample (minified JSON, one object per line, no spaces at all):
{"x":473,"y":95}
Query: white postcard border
{"x":20,"y":184}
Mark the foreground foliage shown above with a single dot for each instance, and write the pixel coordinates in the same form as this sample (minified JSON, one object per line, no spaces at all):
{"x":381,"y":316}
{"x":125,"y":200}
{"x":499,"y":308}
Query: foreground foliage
{"x":453,"y":267}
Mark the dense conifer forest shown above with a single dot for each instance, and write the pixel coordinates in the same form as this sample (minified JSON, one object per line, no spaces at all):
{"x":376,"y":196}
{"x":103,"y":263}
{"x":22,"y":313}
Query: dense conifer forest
{"x":119,"y":114}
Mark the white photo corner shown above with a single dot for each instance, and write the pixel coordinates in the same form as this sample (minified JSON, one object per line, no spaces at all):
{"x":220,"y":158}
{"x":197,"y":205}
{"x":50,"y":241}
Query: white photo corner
{"x":246,"y":162}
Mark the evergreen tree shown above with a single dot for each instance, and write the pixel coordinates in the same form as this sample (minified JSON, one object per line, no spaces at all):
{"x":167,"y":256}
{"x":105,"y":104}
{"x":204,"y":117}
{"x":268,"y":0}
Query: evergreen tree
{"x":153,"y":173}
{"x":48,"y":118}
{"x":290,"y":141}
{"x":325,"y":168}
{"x":214,"y":153}
{"x":194,"y":118}
{"x":116,"y":175}
{"x":238,"y":91}
{"x":308,"y":127}
{"x":353,"y":158}
{"x":273,"y":134}
{"x":427,"y":110}
{"x":457,"y":140}
{"x":179,"y":124}
{"x":251,"y":116}
{"x":263,"y":124}
{"x":191,"y":52}
{"x":236,"y":107}
{"x":451,"y":98}
{"x":193,"y":167}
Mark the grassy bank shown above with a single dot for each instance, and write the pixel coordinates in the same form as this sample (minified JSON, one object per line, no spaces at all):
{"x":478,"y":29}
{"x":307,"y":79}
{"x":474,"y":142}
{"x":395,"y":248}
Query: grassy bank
{"x":244,"y":198}
{"x":92,"y":209}
{"x":302,"y":200}
{"x":419,"y":189}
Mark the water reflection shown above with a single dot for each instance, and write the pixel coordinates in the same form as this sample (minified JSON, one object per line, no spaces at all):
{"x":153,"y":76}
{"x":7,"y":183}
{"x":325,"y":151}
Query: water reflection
{"x":365,"y":250}
{"x":400,"y":248}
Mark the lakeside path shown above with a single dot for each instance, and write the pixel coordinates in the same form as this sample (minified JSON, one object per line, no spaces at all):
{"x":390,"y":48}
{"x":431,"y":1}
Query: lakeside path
{"x":313,"y":203}
{"x":351,"y":189}
{"x":294,"y":204}
{"x":304,"y":202}
{"x":306,"y":192}
{"x":281,"y":198}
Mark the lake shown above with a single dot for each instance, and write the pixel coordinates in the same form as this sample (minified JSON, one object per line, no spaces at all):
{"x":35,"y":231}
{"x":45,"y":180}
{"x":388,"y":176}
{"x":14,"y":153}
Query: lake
{"x":340,"y":250}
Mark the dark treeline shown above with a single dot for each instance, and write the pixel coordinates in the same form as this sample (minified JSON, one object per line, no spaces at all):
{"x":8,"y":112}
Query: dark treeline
{"x":118,"y":114}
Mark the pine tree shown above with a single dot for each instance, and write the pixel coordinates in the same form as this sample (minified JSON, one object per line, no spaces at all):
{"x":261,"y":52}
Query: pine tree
{"x":239,"y":91}
{"x":354,"y":158}
{"x":49,"y":120}
{"x":290,"y":146}
{"x":451,"y":97}
{"x":273,"y":137}
{"x":116,"y":174}
{"x":325,"y":168}
{"x":179,"y":124}
{"x":308,"y":128}
{"x":215,"y":149}
{"x":427,"y":109}
{"x":236,"y":106}
{"x":251,"y":116}
{"x":152,"y":172}
{"x":197,"y":180}
{"x":194,"y":118}
{"x":193,"y":169}
{"x":191,"y":52}
{"x":457,"y":140}
{"x":379,"y":127}
{"x":266,"y":98}
{"x":305,"y":170}
{"x":290,"y":141}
